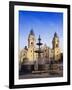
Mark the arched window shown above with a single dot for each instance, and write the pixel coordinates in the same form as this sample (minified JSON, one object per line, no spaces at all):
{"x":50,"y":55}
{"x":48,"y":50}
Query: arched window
{"x":56,"y":45}
{"x":31,"y":50}
{"x":31,"y":43}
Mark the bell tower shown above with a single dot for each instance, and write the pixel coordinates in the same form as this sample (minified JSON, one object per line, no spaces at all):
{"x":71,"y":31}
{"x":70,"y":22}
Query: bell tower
{"x":56,"y":48}
{"x":55,"y":41}
{"x":31,"y":46}
{"x":31,"y":39}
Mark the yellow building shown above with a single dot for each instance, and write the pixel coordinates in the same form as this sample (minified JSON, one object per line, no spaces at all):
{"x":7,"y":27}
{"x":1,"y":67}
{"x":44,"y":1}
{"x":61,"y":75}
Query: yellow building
{"x":29,"y":54}
{"x":56,"y":48}
{"x":23,"y":54}
{"x":31,"y":46}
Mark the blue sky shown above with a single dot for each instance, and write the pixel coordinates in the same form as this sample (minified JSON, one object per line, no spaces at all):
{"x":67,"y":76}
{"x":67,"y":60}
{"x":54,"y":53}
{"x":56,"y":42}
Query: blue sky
{"x":44,"y":24}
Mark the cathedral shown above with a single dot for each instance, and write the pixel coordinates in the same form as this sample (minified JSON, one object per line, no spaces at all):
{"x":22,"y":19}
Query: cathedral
{"x":28,"y":55}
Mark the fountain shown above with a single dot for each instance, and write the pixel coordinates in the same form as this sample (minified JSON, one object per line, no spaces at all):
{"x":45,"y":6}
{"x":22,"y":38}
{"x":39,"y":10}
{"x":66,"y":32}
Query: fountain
{"x":39,"y":51}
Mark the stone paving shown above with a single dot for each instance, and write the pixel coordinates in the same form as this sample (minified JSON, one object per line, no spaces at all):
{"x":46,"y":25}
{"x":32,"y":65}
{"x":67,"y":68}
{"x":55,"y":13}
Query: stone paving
{"x":56,"y":72}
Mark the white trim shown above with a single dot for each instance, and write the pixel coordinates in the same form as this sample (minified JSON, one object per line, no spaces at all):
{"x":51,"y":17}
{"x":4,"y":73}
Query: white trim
{"x":16,"y":62}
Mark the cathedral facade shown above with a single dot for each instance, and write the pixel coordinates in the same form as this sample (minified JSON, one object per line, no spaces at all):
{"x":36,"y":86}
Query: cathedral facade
{"x":28,"y":54}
